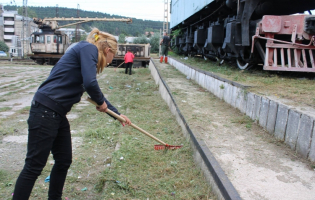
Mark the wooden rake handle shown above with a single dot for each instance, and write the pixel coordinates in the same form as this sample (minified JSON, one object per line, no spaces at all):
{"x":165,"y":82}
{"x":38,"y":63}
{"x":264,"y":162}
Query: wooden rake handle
{"x":120,"y":64}
{"x":133,"y":125}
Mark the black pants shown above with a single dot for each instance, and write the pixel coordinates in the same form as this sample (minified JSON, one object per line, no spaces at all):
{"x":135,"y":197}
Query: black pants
{"x":48,"y":131}
{"x":128,"y":65}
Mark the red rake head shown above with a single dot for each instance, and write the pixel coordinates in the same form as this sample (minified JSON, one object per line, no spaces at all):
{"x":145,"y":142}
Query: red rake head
{"x":162,"y":147}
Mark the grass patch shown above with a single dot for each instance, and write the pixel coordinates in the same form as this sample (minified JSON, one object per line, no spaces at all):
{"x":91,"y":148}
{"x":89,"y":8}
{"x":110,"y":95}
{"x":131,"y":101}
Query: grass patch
{"x":3,"y":109}
{"x":24,"y":110}
{"x":10,"y":93}
{"x":6,"y":182}
{"x":298,"y":87}
{"x":244,"y":119}
{"x":135,"y":169}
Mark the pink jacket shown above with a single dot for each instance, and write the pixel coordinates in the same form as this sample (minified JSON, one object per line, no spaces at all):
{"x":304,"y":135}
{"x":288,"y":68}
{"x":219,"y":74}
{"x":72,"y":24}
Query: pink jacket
{"x":129,"y":57}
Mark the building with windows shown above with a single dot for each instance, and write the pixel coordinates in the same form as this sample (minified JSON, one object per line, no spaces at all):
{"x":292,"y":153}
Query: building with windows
{"x":15,"y":31}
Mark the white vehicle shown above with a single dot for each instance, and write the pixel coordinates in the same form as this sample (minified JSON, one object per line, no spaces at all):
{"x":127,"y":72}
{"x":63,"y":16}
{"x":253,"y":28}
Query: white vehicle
{"x":3,"y":54}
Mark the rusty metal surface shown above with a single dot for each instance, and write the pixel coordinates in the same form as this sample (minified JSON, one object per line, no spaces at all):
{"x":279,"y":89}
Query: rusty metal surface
{"x":52,"y":22}
{"x":271,"y":24}
{"x":135,"y":59}
{"x":283,"y":24}
{"x":281,"y":55}
{"x":45,"y":55}
{"x":292,"y":69}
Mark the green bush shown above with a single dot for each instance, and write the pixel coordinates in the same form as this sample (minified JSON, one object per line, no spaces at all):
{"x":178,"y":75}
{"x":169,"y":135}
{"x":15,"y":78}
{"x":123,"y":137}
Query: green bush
{"x":141,"y":40}
{"x":155,"y":42}
{"x":122,"y":38}
{"x":3,"y":47}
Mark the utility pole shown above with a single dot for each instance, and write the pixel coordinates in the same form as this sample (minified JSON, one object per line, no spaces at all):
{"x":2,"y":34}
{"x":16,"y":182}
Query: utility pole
{"x":159,"y":43}
{"x":24,"y":39}
{"x":165,"y":23}
{"x":77,"y":28}
{"x":57,"y":10}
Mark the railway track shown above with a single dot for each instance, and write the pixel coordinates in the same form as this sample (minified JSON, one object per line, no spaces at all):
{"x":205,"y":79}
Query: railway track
{"x":17,"y":61}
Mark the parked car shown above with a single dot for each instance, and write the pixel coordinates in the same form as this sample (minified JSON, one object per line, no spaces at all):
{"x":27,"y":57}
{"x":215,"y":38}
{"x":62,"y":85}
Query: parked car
{"x":2,"y":53}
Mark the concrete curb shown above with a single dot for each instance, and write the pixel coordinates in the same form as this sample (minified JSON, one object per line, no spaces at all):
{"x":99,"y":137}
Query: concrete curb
{"x":212,"y":170}
{"x":285,"y":123}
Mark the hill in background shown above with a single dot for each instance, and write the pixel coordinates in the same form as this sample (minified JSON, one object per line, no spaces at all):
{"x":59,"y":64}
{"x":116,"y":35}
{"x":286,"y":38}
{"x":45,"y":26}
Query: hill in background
{"x":137,"y":28}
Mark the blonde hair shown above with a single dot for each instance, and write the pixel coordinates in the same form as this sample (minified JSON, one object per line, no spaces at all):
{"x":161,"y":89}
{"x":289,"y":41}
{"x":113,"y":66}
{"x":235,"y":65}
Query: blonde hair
{"x":102,"y":41}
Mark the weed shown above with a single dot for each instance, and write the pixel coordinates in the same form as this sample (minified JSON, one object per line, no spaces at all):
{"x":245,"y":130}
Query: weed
{"x":248,"y":125}
{"x":10,"y":93}
{"x":3,"y":175}
{"x":25,"y":110}
{"x":244,"y":119}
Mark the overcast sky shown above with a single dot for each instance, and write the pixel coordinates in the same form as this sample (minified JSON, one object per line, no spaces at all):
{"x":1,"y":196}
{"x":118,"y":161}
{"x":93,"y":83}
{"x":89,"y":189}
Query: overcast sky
{"x":141,"y":9}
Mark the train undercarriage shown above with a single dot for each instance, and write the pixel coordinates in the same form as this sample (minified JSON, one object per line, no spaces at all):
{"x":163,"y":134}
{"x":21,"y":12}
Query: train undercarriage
{"x":251,"y":32}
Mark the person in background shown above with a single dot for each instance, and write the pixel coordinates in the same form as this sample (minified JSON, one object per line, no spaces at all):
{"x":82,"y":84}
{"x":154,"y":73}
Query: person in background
{"x":128,"y":61}
{"x":165,"y":43}
{"x":48,"y":126}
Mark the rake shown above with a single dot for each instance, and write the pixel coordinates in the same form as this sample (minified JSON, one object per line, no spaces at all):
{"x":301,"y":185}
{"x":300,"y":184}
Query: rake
{"x":119,"y":65}
{"x":156,"y":147}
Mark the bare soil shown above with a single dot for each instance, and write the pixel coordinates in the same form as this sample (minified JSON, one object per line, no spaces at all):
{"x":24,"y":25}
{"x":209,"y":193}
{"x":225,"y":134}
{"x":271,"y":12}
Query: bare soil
{"x":17,"y":87}
{"x":258,"y":166}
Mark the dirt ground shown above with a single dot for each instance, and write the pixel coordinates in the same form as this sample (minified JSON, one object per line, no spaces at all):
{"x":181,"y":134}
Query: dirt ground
{"x":17,"y":87}
{"x":259,"y":167}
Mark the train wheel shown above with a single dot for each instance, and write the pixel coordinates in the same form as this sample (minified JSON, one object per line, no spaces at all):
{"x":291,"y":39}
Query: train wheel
{"x":242,"y":64}
{"x":211,"y":57}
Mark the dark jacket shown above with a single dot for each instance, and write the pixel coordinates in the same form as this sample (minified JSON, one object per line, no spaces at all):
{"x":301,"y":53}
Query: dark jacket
{"x":73,"y":74}
{"x":166,"y":40}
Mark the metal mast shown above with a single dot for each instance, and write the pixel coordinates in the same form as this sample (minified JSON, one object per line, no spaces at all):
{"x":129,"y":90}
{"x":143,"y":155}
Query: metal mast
{"x":165,"y":23}
{"x":57,"y":10}
{"x":77,"y":28}
{"x":25,"y":33}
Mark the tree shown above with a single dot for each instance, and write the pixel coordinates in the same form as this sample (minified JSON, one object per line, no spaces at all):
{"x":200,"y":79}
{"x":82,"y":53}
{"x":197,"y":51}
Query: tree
{"x":82,"y":37}
{"x":141,"y":40}
{"x":122,"y":38}
{"x":148,"y":30}
{"x":155,"y":42}
{"x":137,"y":27}
{"x":4,"y":47}
{"x":30,"y":13}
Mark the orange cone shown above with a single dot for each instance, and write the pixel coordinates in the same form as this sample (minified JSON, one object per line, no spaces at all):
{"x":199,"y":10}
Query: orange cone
{"x":165,"y":60}
{"x":161,"y":59}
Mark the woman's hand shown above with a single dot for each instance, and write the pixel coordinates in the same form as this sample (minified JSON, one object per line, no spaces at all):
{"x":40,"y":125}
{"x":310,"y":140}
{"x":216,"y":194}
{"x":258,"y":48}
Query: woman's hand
{"x":127,"y":120}
{"x":102,"y":108}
